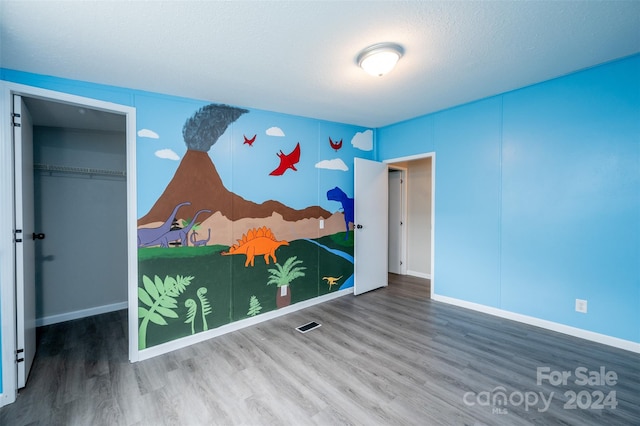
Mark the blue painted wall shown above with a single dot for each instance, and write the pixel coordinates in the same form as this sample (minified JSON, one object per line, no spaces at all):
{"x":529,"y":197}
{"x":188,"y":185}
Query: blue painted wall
{"x":538,"y":198}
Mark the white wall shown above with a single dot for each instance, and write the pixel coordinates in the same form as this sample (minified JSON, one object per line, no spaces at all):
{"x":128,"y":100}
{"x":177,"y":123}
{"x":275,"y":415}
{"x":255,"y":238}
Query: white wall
{"x":419,"y":217}
{"x":397,"y":248}
{"x":81,"y":265}
{"x":419,"y":187}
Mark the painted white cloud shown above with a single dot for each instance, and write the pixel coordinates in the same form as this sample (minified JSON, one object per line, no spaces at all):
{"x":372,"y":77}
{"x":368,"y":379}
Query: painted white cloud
{"x":275,"y":131}
{"x":168,"y":154}
{"x":363,"y":140}
{"x":335,"y":164}
{"x":146,"y":133}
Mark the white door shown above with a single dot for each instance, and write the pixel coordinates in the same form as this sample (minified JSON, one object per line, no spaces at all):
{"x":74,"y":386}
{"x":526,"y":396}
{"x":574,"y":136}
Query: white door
{"x":25,"y":241}
{"x":396,"y":222}
{"x":371,"y":224}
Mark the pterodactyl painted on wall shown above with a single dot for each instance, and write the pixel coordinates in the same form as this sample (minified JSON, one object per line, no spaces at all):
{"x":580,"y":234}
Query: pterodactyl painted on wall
{"x":287,"y":161}
{"x":335,"y":145}
{"x":249,"y":141}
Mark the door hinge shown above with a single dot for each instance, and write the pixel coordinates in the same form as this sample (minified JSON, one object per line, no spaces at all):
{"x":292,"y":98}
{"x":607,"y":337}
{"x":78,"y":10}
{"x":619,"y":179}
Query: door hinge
{"x":18,"y":231}
{"x":15,"y":122}
{"x":18,"y":358}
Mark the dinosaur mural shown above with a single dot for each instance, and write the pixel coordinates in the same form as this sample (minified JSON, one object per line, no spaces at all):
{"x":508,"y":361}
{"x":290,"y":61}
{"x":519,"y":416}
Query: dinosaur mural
{"x":199,"y":243}
{"x":335,"y":145}
{"x":332,"y":280}
{"x":287,"y":161}
{"x":248,"y":141}
{"x":148,"y":236}
{"x":177,"y":234}
{"x":337,"y":194}
{"x":257,"y":242}
{"x":221,"y":204}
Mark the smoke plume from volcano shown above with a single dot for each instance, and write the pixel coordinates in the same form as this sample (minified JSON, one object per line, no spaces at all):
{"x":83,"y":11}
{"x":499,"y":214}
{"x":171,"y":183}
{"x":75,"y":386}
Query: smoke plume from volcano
{"x":204,"y":128}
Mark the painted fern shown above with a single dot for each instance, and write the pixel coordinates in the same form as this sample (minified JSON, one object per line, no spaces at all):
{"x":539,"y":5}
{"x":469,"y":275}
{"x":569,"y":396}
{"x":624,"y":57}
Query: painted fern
{"x":206,"y":306}
{"x":192,"y":309}
{"x":159,"y":296}
{"x":254,"y":307}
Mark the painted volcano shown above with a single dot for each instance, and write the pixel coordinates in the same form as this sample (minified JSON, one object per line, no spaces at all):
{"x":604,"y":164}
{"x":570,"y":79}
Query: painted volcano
{"x":196,"y":180}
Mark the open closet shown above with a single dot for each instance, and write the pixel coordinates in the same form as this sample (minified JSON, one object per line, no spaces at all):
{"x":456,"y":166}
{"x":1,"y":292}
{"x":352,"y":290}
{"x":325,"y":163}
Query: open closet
{"x":80,"y":202}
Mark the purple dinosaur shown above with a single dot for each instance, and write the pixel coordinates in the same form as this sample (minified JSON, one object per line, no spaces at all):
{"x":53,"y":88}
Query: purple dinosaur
{"x":199,"y":243}
{"x":148,"y":236}
{"x":177,"y":234}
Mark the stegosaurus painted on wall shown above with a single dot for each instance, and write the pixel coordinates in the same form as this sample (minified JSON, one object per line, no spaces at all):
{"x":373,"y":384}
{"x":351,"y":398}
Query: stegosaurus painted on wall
{"x":257,"y":242}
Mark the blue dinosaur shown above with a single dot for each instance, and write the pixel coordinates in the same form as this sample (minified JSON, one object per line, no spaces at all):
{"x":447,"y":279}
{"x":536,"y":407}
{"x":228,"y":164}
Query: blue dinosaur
{"x":337,"y":194}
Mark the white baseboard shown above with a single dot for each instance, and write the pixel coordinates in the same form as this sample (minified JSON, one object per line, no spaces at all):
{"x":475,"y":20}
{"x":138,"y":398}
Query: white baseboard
{"x":6,"y":398}
{"x":419,"y":274}
{"x":237,"y":325}
{"x":548,"y":325}
{"x":83,"y":313}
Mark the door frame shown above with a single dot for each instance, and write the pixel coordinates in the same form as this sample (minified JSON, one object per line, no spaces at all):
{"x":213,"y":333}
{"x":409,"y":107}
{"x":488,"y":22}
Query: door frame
{"x":7,"y":245}
{"x":403,"y":215}
{"x":431,"y":155}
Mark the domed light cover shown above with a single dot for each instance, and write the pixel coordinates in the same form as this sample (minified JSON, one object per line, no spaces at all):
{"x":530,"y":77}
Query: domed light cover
{"x":380,"y":58}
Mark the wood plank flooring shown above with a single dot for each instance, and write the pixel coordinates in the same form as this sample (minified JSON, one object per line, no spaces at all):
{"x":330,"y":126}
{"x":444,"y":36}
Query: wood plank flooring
{"x":387,"y":357}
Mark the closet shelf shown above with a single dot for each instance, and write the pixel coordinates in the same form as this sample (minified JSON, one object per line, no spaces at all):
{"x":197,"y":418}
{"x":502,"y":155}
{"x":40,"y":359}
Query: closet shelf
{"x":78,"y":170}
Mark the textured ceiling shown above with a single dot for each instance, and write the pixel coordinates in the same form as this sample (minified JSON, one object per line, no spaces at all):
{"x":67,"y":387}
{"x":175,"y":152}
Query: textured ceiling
{"x":299,"y":57}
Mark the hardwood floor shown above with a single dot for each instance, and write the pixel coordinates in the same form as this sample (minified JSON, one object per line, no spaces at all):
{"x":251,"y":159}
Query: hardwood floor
{"x":388,"y":357}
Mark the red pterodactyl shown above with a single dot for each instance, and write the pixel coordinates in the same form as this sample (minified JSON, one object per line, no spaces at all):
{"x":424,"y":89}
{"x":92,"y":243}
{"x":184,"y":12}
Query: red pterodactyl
{"x":249,"y":141}
{"x":287,"y":161}
{"x":335,"y":145}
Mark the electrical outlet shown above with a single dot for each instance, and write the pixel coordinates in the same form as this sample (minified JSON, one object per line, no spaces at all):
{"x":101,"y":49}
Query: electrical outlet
{"x":321,"y":223}
{"x":581,"y":306}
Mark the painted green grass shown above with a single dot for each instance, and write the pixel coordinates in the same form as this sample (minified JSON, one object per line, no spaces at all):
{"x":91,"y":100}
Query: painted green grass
{"x":230,"y":285}
{"x":338,"y":242}
{"x":175,"y":252}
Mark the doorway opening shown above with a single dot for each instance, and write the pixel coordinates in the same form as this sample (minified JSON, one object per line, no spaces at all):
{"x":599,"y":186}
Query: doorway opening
{"x":411,"y":216}
{"x":80,"y":205}
{"x":82,"y":164}
{"x":397,"y":252}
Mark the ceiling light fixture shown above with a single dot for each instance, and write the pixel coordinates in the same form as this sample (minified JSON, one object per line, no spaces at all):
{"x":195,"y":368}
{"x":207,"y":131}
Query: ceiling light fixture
{"x":380,"y":58}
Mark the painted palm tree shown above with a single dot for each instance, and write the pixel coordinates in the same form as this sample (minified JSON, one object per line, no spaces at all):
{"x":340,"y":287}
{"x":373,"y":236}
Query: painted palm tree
{"x":282,"y":276}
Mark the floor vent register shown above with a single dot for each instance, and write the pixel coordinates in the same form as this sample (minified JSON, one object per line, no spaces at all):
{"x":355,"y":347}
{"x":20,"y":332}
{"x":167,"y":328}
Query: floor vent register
{"x":308,"y":327}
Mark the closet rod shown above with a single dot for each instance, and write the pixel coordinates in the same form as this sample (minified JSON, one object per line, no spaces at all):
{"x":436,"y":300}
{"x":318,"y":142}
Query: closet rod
{"x":78,"y":170}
